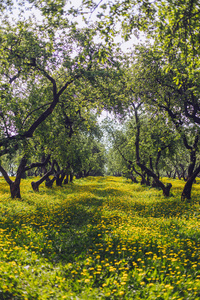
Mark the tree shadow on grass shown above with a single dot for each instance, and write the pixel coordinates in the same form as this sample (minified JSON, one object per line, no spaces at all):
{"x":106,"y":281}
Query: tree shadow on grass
{"x":66,"y":232}
{"x":70,"y":228}
{"x":165,"y":207}
{"x":74,"y":232}
{"x":104,"y":192}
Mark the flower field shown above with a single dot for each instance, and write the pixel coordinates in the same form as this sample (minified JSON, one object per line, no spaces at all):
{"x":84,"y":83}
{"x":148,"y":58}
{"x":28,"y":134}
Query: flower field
{"x":99,"y":238}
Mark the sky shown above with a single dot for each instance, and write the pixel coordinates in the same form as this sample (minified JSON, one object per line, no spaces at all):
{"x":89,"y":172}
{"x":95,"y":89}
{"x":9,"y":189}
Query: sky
{"x":125,"y":46}
{"x":91,"y":17}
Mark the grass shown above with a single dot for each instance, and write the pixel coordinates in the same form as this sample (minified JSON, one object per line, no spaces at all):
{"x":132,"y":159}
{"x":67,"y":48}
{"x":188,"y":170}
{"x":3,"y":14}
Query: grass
{"x":99,"y":238}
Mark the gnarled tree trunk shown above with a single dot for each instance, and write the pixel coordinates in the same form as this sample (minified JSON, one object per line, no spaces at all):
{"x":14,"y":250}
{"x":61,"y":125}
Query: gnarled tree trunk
{"x":66,"y":181}
{"x":165,"y":189}
{"x":49,"y":182}
{"x":35,"y":184}
{"x":59,"y":178}
{"x":15,"y":190}
{"x":15,"y":185}
{"x":71,"y":176}
{"x":192,"y":172}
{"x":186,"y":194}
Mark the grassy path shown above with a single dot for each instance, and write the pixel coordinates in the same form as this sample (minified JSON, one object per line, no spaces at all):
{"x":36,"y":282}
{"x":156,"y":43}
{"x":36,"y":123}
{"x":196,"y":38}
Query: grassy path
{"x":99,"y":238}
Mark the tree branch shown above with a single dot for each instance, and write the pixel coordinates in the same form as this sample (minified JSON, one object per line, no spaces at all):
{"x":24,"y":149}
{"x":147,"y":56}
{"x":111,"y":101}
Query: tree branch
{"x":38,"y":164}
{"x":29,"y":114}
{"x":5,"y":175}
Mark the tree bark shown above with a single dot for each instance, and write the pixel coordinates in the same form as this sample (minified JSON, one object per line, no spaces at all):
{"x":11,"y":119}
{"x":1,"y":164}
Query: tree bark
{"x":66,"y":181}
{"x":59,"y":178}
{"x":15,"y":190}
{"x":71,"y":177}
{"x":35,"y":184}
{"x":193,"y":151}
{"x":49,"y":182}
{"x":15,"y":185}
{"x":165,"y":189}
{"x":186,"y":194}
{"x":133,"y":178}
{"x":169,"y":174}
{"x":192,"y":174}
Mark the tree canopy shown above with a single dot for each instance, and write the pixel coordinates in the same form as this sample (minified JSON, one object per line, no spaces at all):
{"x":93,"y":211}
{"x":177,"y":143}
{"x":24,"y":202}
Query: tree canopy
{"x":60,"y":64}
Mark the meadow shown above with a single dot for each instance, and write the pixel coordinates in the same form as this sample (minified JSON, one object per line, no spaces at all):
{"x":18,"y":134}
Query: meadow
{"x":99,"y":238}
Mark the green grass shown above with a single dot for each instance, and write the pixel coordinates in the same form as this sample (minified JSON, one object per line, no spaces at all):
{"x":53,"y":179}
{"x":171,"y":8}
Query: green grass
{"x":99,"y":238}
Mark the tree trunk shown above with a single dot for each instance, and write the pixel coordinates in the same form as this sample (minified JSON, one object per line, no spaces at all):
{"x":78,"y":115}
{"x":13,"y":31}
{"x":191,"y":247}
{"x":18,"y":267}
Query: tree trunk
{"x":49,"y":182}
{"x":60,"y":178}
{"x":148,"y":180}
{"x":71,"y":177}
{"x":192,"y":174}
{"x":133,"y":178}
{"x":131,"y":166}
{"x":66,"y":181}
{"x":169,"y":174}
{"x":143,"y":181}
{"x":183,"y":172}
{"x":143,"y":168}
{"x":179,"y":175}
{"x":23,"y":176}
{"x":186,"y":194}
{"x":15,"y":185}
{"x":165,"y":189}
{"x":193,"y":151}
{"x":35,"y":184}
{"x":15,"y":190}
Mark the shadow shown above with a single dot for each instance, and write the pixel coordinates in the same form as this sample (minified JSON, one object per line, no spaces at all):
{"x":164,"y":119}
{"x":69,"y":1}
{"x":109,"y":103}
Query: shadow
{"x":67,"y":230}
{"x":103,"y":192}
{"x":167,"y":208}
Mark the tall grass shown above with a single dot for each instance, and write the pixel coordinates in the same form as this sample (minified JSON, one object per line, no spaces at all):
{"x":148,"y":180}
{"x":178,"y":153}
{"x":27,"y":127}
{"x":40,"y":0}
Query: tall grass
{"x":99,"y":238}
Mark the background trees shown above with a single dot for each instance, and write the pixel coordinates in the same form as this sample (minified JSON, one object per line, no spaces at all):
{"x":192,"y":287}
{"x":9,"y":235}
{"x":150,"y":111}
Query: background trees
{"x":54,"y":73}
{"x":162,"y":94}
{"x":40,"y":59}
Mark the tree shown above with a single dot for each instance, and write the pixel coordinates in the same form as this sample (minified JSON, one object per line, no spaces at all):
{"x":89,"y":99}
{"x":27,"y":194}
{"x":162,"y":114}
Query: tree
{"x":15,"y":185}
{"x":35,"y":78}
{"x":40,"y":60}
{"x":173,"y":27}
{"x":142,"y":142}
{"x":71,"y":139}
{"x":161,"y":93}
{"x":116,"y":166}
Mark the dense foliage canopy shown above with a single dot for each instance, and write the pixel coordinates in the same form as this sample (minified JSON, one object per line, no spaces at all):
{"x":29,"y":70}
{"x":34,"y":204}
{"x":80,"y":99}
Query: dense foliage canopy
{"x":60,"y":65}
